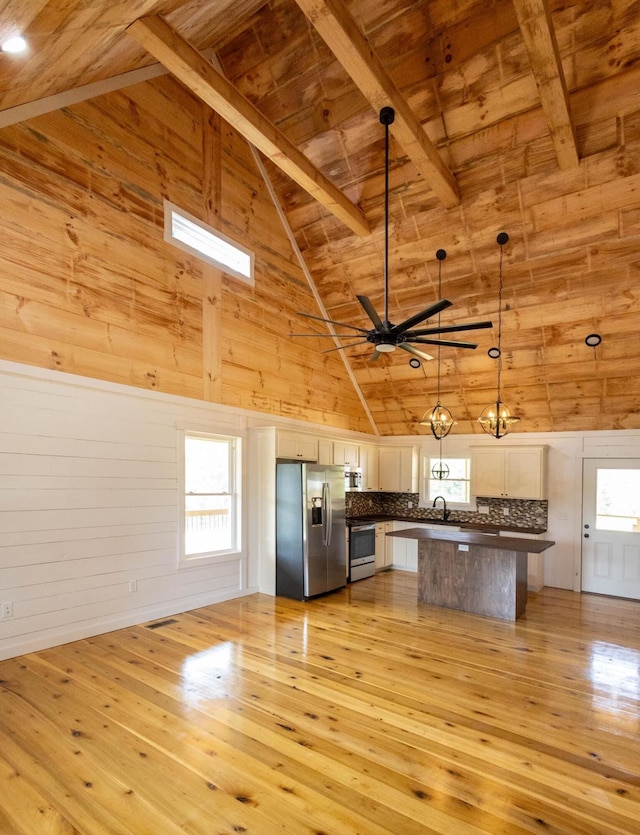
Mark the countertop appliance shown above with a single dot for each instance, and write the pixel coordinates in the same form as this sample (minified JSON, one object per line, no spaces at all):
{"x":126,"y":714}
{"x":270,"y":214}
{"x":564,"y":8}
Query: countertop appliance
{"x":362,"y":551}
{"x":310,"y":530}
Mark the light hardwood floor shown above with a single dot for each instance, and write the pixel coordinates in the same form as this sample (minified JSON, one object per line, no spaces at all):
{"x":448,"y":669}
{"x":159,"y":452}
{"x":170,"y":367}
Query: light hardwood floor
{"x":357,"y":713}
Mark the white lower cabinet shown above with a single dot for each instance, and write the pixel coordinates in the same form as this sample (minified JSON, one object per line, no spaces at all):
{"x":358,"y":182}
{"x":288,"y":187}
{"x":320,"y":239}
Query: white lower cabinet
{"x":384,"y":546}
{"x":405,"y":551}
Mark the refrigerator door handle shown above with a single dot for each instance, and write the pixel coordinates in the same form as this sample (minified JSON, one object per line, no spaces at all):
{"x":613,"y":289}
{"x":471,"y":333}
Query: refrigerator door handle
{"x":326,"y":512}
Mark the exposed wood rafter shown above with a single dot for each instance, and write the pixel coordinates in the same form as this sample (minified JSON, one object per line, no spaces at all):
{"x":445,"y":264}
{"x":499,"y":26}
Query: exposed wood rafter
{"x":540,"y":42}
{"x":196,"y":73}
{"x":343,"y":37}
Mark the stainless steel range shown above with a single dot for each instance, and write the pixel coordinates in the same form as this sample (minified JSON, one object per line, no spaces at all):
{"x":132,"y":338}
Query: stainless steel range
{"x":362,"y":551}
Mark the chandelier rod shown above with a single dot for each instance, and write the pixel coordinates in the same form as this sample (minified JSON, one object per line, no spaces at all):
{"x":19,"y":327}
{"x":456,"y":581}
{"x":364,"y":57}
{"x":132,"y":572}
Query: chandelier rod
{"x":386,"y":122}
{"x":500,"y":324}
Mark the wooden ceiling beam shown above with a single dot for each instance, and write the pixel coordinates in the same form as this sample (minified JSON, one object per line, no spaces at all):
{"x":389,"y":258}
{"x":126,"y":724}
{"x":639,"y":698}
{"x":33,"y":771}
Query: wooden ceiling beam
{"x":340,"y":32}
{"x":197,"y":74}
{"x":540,"y":42}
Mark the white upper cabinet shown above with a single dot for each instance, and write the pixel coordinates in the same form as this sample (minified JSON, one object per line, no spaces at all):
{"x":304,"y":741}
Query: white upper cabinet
{"x":369,"y":467}
{"x":509,"y":472}
{"x":398,"y":469}
{"x":296,"y":446}
{"x":347,"y":453}
{"x":325,"y":451}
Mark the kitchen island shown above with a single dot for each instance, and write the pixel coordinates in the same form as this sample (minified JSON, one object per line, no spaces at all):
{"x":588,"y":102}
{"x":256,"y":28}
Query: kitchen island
{"x":473,"y":572}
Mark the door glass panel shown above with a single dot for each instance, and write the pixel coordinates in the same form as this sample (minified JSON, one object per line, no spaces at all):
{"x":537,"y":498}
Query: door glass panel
{"x":618,"y":500}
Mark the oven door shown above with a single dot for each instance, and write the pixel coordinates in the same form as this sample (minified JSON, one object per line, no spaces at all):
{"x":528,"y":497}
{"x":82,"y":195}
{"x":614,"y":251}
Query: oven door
{"x":362,"y":551}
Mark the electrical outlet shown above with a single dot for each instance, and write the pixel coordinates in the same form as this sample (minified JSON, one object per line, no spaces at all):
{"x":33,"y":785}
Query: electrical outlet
{"x":133,"y":585}
{"x":409,"y":505}
{"x":7,"y":610}
{"x":505,"y":511}
{"x":483,"y":508}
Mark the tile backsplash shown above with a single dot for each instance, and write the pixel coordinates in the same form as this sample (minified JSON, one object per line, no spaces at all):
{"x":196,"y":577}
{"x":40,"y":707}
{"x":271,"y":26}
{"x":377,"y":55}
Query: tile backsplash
{"x":522,"y":513}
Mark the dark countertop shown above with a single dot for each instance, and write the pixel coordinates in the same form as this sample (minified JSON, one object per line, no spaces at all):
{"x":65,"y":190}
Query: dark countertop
{"x":469,"y":526}
{"x":501,"y":543}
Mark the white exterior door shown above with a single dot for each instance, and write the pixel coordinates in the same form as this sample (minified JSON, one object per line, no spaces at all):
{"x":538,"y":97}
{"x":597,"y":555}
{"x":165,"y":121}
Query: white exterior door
{"x":611,"y":527}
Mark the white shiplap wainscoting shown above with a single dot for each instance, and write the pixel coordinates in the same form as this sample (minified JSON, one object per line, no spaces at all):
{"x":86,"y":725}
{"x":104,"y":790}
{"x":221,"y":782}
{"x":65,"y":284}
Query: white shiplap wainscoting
{"x":89,"y":508}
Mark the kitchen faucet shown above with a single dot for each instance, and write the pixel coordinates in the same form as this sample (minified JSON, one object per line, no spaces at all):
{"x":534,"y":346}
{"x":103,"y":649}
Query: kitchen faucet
{"x":445,"y":512}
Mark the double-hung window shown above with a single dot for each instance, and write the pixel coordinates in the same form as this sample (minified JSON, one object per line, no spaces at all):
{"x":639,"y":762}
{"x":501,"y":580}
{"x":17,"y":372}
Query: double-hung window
{"x":449,"y":478}
{"x":210,"y":518}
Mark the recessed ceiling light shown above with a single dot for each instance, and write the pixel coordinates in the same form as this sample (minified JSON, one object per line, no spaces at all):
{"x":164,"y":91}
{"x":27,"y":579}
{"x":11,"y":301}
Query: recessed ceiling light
{"x":593,"y":340}
{"x":414,"y":362}
{"x":15,"y":44}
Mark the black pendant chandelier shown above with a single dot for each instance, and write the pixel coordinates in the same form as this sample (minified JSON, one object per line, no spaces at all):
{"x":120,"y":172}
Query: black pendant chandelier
{"x":439,"y":419}
{"x":496,"y":419}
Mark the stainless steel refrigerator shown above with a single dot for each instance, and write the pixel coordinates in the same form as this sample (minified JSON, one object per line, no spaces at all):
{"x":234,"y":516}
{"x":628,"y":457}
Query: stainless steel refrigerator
{"x":311,"y":554}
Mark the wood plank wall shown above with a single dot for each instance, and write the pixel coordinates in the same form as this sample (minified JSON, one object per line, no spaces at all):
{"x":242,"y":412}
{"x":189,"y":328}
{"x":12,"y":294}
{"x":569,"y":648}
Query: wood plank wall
{"x":571,"y":266}
{"x":88,"y":286}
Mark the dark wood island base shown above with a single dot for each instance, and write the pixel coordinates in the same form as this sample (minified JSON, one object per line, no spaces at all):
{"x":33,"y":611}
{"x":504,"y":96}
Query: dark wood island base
{"x":473,"y":572}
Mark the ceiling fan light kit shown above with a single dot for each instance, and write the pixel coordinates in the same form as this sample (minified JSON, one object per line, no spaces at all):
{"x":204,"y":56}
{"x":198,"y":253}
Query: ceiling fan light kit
{"x":496,"y":419}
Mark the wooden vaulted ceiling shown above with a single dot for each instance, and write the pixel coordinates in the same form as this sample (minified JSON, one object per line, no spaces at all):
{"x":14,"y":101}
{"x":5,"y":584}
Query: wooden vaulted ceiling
{"x":511,"y":115}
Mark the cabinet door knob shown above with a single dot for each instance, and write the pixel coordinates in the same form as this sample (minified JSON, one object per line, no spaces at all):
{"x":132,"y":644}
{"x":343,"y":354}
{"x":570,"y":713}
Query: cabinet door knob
{"x":586,"y":527}
{"x":586,"y":536}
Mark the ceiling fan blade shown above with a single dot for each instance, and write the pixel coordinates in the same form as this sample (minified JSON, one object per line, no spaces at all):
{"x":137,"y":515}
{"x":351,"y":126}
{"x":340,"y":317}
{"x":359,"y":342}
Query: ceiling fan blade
{"x":342,"y":347}
{"x":339,"y":335}
{"x":427,"y":313}
{"x":445,"y":342}
{"x":476,"y":326}
{"x":414,"y":351}
{"x":375,"y":355}
{"x":370,"y":311}
{"x":331,"y":322}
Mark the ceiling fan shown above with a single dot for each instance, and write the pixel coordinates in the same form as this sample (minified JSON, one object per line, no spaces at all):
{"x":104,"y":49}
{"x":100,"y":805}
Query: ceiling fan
{"x":384,"y":335}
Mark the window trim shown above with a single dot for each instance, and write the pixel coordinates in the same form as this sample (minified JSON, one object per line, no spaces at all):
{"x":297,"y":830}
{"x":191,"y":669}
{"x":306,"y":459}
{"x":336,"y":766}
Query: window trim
{"x":170,"y":209}
{"x":235,"y":492}
{"x":425,"y":477}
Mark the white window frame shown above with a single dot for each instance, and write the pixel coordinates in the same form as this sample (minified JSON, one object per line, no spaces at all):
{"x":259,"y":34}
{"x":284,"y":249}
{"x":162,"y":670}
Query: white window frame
{"x":235,"y":515}
{"x":426,"y":463}
{"x":171,"y":211}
